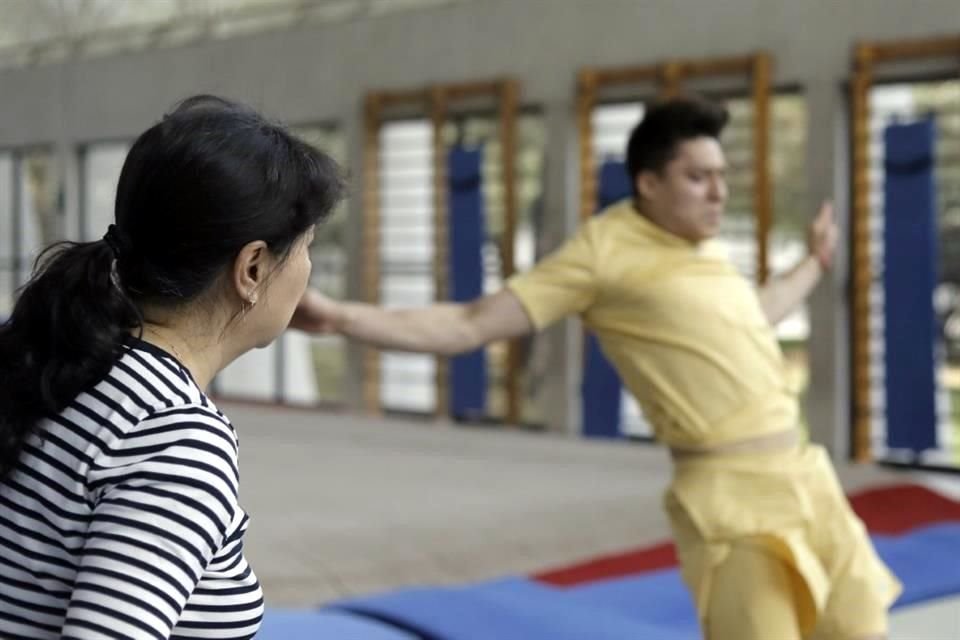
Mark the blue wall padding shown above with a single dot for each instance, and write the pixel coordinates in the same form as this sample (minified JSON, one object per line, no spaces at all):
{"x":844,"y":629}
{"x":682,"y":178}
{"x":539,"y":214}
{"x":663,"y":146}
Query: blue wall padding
{"x":909,"y":278}
{"x":602,"y":393}
{"x":468,"y":372}
{"x":614,"y":184}
{"x":601,"y":388}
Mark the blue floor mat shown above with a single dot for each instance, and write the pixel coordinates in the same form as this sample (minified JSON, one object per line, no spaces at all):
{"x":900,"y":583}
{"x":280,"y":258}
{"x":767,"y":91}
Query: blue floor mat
{"x":283,"y":624}
{"x":647,"y":605}
{"x":511,"y":609}
{"x":927,"y":561}
{"x":659,"y":597}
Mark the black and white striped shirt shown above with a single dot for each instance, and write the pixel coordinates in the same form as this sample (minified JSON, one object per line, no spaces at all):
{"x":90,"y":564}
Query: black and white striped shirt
{"x":121,"y":519}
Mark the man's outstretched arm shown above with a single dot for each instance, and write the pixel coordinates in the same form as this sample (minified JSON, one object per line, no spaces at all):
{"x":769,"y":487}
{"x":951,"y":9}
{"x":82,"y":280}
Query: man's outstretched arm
{"x":443,"y":328}
{"x":783,"y":294}
{"x":561,"y":284}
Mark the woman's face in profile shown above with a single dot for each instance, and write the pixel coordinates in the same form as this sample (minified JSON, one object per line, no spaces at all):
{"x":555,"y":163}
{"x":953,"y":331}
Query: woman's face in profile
{"x":284,"y":289}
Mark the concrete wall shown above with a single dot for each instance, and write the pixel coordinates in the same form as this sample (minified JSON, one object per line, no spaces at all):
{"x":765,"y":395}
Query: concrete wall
{"x":321,"y":74}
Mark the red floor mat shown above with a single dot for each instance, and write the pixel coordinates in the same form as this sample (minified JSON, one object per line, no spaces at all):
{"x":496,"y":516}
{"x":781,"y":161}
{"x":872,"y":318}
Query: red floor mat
{"x":890,"y":510}
{"x":896,"y":509}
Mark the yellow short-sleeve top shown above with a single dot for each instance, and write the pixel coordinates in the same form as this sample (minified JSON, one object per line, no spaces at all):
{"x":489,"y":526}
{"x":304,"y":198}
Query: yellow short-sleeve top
{"x":683,"y":328}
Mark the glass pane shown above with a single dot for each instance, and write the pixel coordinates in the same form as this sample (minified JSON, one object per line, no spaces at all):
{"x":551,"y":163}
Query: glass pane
{"x":101,"y":172}
{"x":252,"y":376}
{"x":406,"y":254}
{"x":6,"y":234}
{"x":407,"y":382}
{"x":328,"y":359}
{"x":740,"y":221}
{"x":314,"y":366}
{"x":41,"y":210}
{"x":792,"y":212}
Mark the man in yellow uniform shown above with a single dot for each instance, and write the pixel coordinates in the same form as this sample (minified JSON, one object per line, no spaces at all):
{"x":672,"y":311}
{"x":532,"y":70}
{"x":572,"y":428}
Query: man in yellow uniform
{"x":768,"y":544}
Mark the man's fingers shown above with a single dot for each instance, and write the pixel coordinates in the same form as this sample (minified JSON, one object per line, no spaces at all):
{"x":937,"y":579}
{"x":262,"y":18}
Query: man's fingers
{"x":824,"y":216}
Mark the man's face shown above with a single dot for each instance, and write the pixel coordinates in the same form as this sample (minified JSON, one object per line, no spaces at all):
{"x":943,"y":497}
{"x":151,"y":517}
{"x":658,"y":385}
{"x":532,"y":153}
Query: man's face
{"x":688,"y":197}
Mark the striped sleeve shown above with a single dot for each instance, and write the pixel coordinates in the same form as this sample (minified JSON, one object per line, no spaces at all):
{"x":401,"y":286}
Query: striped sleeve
{"x":165,"y":502}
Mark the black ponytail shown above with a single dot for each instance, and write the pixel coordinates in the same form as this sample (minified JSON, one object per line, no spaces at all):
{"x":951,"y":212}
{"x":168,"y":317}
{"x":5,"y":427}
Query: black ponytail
{"x":66,"y":330}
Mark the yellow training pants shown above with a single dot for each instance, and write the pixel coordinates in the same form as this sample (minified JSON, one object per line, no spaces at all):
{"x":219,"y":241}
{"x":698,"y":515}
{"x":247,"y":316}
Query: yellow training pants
{"x":771,"y":549}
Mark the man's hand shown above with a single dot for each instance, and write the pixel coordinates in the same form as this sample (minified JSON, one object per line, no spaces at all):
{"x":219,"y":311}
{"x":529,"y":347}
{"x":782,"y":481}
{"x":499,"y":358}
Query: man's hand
{"x":782,"y":295}
{"x":822,"y":236}
{"x":316,"y":313}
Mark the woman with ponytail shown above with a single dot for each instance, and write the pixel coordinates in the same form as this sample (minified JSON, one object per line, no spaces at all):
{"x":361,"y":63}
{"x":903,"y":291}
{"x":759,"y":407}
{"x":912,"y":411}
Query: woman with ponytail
{"x":118,"y":476}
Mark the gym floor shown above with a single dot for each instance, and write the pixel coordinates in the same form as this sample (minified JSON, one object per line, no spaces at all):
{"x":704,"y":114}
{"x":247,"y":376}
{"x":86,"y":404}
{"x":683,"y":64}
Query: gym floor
{"x":343,"y":505}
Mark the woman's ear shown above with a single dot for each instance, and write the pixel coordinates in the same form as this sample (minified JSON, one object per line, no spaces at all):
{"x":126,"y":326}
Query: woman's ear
{"x":250,"y":269}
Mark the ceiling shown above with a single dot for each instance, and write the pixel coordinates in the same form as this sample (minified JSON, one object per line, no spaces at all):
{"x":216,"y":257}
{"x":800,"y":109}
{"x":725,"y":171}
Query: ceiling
{"x":44,"y":31}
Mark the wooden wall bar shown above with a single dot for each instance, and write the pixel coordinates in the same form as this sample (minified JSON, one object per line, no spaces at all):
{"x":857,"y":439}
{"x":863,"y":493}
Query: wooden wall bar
{"x":868,"y":61}
{"x":437,"y":102}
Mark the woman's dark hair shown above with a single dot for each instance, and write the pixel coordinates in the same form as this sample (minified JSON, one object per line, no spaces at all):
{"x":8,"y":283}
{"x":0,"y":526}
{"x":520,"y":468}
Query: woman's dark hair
{"x":653,"y":142}
{"x":210,"y":177}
